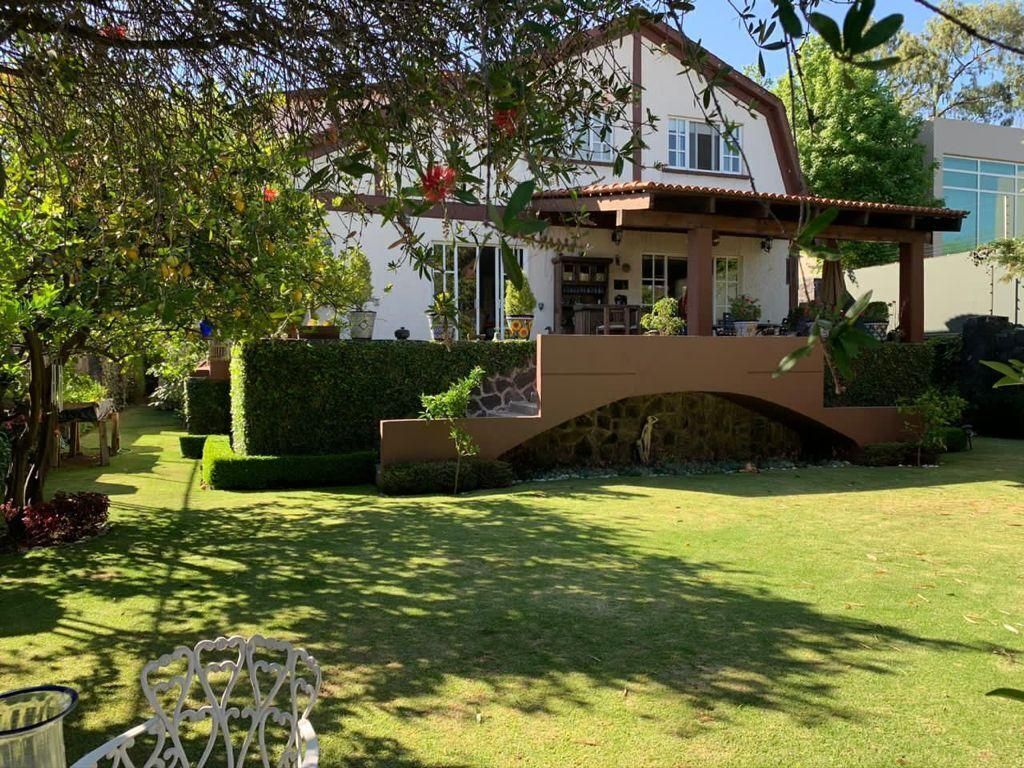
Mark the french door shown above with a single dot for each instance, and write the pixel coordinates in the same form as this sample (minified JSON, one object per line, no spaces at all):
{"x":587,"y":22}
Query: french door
{"x":474,"y":276}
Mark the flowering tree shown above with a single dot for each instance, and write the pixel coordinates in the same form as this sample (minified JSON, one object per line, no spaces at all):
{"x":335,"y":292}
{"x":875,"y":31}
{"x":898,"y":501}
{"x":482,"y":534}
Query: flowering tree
{"x":207,"y":228}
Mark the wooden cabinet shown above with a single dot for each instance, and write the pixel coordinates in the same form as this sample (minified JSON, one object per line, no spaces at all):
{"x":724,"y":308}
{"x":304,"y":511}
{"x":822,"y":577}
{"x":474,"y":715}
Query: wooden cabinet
{"x":579,"y":280}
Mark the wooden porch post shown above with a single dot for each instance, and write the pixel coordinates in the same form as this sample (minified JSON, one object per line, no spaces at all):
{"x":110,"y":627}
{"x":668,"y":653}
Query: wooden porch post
{"x":700,"y":282}
{"x":911,"y":308}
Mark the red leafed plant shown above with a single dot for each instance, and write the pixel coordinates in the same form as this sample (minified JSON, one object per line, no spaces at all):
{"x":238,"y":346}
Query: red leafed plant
{"x":65,"y":518}
{"x":505,"y":120}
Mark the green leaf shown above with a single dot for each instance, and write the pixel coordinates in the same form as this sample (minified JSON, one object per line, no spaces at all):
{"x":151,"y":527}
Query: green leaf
{"x":828,"y":29}
{"x":880,"y":33}
{"x":513,"y":272}
{"x":817,"y":225}
{"x":857,"y":308}
{"x":789,"y":19}
{"x":519,"y":199}
{"x":856,"y":19}
{"x":878,"y":64}
{"x":789,"y":362}
{"x":1007,"y":693}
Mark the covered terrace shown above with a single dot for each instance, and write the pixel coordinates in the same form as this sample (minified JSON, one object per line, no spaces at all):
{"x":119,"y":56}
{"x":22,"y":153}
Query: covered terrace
{"x":701,"y":216}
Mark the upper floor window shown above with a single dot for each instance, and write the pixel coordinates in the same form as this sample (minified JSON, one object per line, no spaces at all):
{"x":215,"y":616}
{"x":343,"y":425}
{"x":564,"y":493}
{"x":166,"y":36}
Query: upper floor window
{"x":596,"y":141}
{"x":993,"y":193}
{"x":697,"y":146}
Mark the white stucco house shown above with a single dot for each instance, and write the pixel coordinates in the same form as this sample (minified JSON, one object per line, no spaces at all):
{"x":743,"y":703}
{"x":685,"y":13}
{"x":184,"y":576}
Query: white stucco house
{"x":691,"y":216}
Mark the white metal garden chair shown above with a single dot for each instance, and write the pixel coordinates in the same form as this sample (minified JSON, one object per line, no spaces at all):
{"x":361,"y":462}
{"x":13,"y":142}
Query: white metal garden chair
{"x":226,"y":703}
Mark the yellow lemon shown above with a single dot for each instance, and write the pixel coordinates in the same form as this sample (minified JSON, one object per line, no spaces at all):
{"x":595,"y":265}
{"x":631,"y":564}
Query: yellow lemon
{"x":297,"y":295}
{"x":239,"y":202}
{"x":131,"y":253}
{"x":186,"y":269}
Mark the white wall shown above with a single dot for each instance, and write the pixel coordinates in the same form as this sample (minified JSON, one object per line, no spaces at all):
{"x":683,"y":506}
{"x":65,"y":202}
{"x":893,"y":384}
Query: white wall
{"x":953,"y":286}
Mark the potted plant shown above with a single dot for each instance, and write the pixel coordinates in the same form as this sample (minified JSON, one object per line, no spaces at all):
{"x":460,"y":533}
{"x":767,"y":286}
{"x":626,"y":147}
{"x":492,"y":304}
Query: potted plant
{"x":663,"y":319}
{"x":442,"y":314}
{"x":519,"y":304}
{"x":745,"y":311}
{"x":876,"y":319}
{"x":360,"y":279}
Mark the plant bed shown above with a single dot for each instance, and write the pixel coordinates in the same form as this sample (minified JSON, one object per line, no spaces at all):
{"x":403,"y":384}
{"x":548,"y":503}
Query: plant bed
{"x":66,"y":518}
{"x":224,"y":469}
{"x":895,"y":455}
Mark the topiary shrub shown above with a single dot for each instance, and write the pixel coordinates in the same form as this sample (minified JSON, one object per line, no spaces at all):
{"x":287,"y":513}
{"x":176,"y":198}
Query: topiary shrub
{"x":207,"y":406}
{"x":192,"y":446}
{"x":954,"y":439}
{"x":226,"y":470}
{"x":419,"y":478}
{"x":290,"y":397}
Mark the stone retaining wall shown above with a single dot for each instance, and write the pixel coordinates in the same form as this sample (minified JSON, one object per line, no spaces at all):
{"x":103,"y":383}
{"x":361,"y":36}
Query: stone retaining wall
{"x":501,"y":390}
{"x":690,"y":427}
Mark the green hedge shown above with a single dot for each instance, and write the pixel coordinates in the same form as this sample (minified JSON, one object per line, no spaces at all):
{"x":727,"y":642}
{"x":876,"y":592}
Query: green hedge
{"x":192,"y":446}
{"x":891,"y":373}
{"x":954,"y":438}
{"x":894,"y":454}
{"x":291,"y":397}
{"x":226,"y":470}
{"x":207,"y":406}
{"x":439,"y":477}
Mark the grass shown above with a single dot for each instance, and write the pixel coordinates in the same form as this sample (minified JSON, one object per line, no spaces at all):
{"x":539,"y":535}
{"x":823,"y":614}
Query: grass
{"x":824,"y":617}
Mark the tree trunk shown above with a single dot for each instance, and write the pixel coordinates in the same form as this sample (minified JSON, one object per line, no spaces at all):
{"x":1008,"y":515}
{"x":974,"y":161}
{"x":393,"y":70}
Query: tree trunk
{"x":32,"y":449}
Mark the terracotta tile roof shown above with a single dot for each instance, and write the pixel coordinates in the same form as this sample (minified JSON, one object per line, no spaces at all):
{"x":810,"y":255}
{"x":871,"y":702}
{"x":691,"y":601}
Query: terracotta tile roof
{"x":691,"y":190}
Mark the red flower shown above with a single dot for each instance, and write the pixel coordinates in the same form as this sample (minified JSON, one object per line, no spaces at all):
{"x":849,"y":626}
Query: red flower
{"x":114,"y":31}
{"x":438,"y":182}
{"x":270,"y":194}
{"x":505,"y":120}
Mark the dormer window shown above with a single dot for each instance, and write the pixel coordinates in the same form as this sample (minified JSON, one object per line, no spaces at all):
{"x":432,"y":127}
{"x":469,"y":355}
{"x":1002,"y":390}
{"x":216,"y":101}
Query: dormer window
{"x":697,"y":146}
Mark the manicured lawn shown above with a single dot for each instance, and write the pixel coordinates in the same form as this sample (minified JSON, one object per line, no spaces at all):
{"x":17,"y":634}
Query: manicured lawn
{"x":840,"y":617}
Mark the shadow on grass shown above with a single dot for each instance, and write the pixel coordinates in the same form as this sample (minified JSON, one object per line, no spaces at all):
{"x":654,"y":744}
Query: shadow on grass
{"x":395,"y":597}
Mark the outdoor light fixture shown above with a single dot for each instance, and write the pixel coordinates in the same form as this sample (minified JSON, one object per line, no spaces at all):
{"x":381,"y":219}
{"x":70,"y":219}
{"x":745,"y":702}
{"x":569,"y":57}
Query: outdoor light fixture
{"x":766,"y":244}
{"x":616,"y":236}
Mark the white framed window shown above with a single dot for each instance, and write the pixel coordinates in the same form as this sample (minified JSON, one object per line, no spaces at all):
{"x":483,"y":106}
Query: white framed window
{"x":696,"y":145}
{"x":597,"y":141}
{"x":676,"y":143}
{"x":727,"y":283}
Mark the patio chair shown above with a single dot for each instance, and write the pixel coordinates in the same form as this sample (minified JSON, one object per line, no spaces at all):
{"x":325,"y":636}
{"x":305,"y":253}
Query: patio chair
{"x":226,"y":702}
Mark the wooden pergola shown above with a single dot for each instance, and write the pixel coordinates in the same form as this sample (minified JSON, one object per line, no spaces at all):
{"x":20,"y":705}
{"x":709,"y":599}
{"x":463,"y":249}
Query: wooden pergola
{"x":702,"y":213}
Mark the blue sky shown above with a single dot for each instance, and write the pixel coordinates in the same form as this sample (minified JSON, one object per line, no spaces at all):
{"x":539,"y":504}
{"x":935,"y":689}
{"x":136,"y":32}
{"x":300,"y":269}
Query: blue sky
{"x":715,"y":24}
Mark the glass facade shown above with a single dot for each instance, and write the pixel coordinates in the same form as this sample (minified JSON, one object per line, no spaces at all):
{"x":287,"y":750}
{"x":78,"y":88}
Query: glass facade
{"x":992,"y":191}
{"x":697,"y":146}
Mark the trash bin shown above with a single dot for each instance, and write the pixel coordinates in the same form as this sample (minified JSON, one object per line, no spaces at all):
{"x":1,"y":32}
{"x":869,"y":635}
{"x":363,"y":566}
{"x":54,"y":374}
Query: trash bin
{"x":31,"y":726}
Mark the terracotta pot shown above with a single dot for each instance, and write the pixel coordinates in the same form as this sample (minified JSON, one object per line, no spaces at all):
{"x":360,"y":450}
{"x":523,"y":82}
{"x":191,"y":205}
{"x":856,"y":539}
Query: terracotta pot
{"x":518,"y":326}
{"x":745,"y":327}
{"x":360,"y":324}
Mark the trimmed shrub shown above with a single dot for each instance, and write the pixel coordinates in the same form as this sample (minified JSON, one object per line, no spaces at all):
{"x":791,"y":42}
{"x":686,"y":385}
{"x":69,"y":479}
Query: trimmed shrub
{"x":894,"y":454}
{"x":892,"y":373}
{"x":207,"y":406}
{"x":226,"y":470}
{"x":290,"y":397}
{"x":954,"y":438}
{"x":994,"y":412}
{"x":439,"y":477}
{"x":192,"y":446}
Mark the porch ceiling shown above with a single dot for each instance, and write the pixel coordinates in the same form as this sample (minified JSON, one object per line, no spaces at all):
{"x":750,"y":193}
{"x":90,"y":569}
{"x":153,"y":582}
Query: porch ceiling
{"x":654,"y":206}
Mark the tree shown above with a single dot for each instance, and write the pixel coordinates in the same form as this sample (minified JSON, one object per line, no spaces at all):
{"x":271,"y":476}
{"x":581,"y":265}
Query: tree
{"x":946,"y":71}
{"x":98,"y":258}
{"x":854,"y":141}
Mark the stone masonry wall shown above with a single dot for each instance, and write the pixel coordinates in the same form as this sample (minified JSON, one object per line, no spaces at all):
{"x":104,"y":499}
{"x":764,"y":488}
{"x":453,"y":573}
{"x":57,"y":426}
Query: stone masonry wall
{"x":501,"y":390}
{"x":691,"y":427}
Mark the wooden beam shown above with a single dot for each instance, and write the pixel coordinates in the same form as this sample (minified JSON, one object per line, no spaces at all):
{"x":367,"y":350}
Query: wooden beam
{"x":700,"y":282}
{"x":745,"y":226}
{"x":631,"y":202}
{"x":911,"y":308}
